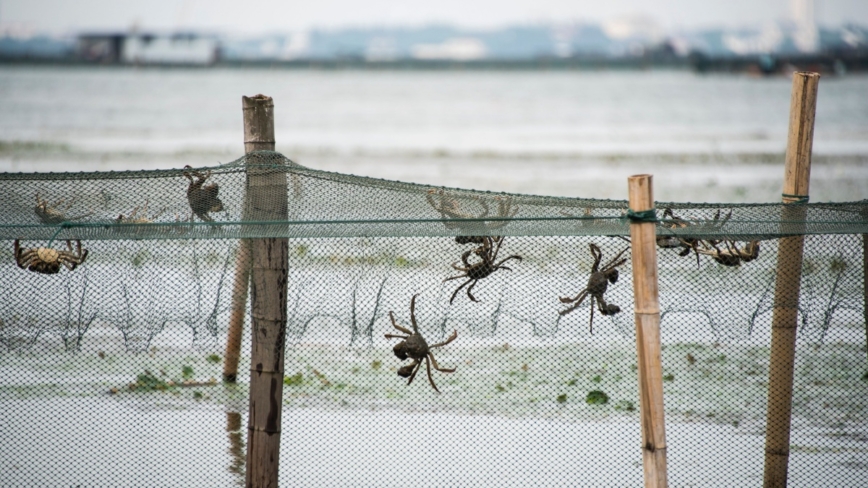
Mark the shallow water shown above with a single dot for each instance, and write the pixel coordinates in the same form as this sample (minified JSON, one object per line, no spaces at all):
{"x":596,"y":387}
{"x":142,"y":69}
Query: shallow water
{"x":204,"y":447}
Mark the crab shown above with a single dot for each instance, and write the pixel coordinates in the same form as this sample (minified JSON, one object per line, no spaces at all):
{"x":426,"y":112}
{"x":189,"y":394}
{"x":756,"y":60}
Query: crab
{"x":413,"y":346}
{"x":732,"y":255}
{"x":449,"y":208}
{"x":598,"y":283}
{"x":55,"y":213}
{"x":476,"y":271}
{"x":202,"y":198}
{"x":46,"y":260}
{"x":687,"y":243}
{"x":135,"y":218}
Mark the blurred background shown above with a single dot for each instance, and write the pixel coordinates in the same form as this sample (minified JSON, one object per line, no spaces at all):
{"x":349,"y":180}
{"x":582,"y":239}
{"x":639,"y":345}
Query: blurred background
{"x":550,"y":97}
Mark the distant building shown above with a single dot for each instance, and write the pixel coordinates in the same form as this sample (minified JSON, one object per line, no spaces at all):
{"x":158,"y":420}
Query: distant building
{"x":457,"y":49}
{"x":148,"y":48}
{"x":806,"y":35}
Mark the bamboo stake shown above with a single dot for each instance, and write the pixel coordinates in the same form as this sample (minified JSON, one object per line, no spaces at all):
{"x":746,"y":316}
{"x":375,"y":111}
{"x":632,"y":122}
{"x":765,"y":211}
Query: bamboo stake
{"x":865,"y":287}
{"x":647,"y":316}
{"x":865,"y":281}
{"x":258,"y":136}
{"x":266,"y":200}
{"x":797,"y":175}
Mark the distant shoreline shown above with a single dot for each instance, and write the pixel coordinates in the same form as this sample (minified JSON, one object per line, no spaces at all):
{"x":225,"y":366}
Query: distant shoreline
{"x":826,"y":63}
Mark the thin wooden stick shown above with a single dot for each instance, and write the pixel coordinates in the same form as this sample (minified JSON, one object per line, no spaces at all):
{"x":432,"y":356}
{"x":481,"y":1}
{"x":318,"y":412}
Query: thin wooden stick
{"x":643,"y":236}
{"x":797,"y":175}
{"x":258,"y":136}
{"x":266,"y":200}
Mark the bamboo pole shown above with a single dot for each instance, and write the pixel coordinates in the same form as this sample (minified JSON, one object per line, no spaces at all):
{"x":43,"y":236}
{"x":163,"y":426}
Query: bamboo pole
{"x":865,"y":288}
{"x":258,"y":136}
{"x":865,"y":281}
{"x":797,"y":175}
{"x":647,"y":316}
{"x":266,"y":200}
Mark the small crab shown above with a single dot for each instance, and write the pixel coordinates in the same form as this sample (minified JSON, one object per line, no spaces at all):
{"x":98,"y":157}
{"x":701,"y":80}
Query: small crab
{"x":732,"y":255}
{"x":413,"y":346}
{"x":687,"y":243}
{"x":202,"y":198}
{"x":55,"y":213}
{"x":135,"y":218}
{"x":598,"y":283}
{"x":46,"y":260}
{"x":449,"y":208}
{"x":476,"y":271}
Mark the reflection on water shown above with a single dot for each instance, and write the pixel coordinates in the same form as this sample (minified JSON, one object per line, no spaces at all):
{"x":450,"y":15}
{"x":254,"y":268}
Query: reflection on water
{"x":236,"y":445}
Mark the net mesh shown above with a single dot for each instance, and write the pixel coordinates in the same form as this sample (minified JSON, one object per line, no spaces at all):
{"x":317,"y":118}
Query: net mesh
{"x":110,"y":372}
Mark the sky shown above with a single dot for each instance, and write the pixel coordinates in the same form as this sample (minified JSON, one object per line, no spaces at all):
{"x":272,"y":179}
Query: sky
{"x":255,"y":16}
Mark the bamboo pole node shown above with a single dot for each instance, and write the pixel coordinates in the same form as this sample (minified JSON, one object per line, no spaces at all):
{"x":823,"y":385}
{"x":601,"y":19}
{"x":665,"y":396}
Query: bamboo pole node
{"x":265,"y":371}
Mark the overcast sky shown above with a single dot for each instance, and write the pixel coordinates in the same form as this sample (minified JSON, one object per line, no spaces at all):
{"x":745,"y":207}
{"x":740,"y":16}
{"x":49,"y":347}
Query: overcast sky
{"x":252,"y":16}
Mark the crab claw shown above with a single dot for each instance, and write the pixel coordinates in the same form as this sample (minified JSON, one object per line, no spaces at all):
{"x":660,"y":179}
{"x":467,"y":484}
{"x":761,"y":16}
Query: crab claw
{"x":406,"y":371}
{"x":399,"y":351}
{"x":610,"y":309}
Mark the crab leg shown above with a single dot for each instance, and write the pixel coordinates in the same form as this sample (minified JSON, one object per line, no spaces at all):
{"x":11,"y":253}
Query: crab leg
{"x":18,"y":252}
{"x":609,"y":265}
{"x":415,"y":370}
{"x":592,"y":314}
{"x":580,"y":297}
{"x":413,"y":313}
{"x":402,"y":329}
{"x":459,"y":288}
{"x":583,"y":295}
{"x":456,"y":277}
{"x":447,"y":341}
{"x":437,"y":366}
{"x":470,"y":295}
{"x":428,"y":370}
{"x":507,"y":259}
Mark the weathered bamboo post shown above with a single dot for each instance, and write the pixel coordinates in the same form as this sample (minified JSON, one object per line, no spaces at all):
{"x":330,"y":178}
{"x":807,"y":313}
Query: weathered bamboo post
{"x":266,"y":200}
{"x":647,"y":316}
{"x":258,"y":136}
{"x":865,"y":281}
{"x":797,"y":175}
{"x":865,"y":288}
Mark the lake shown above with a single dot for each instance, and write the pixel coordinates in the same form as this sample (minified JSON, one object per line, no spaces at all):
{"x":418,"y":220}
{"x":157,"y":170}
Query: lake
{"x":580,"y":134}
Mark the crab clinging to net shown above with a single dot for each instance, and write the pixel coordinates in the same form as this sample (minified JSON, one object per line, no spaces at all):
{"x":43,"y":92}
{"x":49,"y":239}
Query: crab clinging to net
{"x":46,"y":260}
{"x":413,"y":346}
{"x":135,"y":217}
{"x":487,"y":252}
{"x":449,"y":207}
{"x":732,"y":255}
{"x":55,"y":213}
{"x":598,"y":283}
{"x":686,"y":243}
{"x":201,"y":197}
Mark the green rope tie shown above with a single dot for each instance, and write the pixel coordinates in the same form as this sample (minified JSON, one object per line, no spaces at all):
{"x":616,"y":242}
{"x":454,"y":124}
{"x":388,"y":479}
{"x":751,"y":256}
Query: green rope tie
{"x":649,"y":215}
{"x":795,"y":198}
